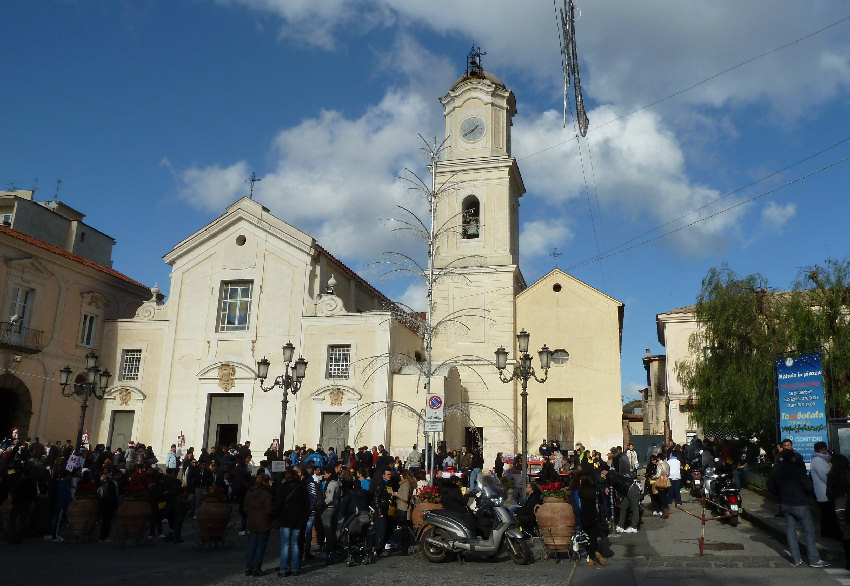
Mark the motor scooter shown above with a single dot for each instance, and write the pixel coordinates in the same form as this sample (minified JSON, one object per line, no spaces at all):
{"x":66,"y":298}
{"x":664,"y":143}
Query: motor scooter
{"x":721,"y":492}
{"x":692,"y":475}
{"x":450,"y":532}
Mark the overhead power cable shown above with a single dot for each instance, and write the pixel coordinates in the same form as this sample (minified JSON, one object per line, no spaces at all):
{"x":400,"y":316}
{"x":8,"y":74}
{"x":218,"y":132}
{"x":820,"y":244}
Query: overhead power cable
{"x":723,"y":211}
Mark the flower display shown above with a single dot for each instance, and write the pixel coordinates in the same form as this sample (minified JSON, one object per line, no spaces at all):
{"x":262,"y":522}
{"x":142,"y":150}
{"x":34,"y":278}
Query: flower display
{"x":555,"y":490}
{"x":429,"y":494}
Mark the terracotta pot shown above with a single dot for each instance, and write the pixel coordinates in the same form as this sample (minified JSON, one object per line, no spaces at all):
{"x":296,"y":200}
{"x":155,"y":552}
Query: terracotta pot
{"x":213,"y":519}
{"x":132,"y":517}
{"x":82,"y":516}
{"x":557,"y":523}
{"x":419,"y":509}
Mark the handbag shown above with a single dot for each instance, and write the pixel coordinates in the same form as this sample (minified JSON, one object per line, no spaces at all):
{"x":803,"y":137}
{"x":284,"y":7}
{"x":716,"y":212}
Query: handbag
{"x":662,"y":482}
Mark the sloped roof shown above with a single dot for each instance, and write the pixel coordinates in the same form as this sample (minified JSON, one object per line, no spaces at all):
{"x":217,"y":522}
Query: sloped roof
{"x":70,"y":256}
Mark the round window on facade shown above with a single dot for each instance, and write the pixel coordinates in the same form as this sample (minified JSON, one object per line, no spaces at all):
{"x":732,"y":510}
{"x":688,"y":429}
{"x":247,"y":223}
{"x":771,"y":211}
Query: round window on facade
{"x":560,"y":357}
{"x":240,"y":240}
{"x":556,"y":287}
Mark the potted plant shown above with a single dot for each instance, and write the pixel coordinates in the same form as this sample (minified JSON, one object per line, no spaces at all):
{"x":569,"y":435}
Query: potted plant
{"x":427,"y":499}
{"x":83,"y":510}
{"x":134,"y":513}
{"x":213,"y":515}
{"x":555,"y":517}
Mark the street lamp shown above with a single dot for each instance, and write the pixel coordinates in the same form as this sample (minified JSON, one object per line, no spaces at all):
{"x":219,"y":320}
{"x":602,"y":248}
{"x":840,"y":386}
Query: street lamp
{"x":524,"y":371}
{"x":97,"y":381}
{"x":290,"y":380}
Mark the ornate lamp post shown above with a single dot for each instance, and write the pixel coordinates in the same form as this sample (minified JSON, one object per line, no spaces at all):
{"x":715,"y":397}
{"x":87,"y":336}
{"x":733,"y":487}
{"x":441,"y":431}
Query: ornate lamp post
{"x":97,"y":382}
{"x":523,"y":371}
{"x":290,"y":380}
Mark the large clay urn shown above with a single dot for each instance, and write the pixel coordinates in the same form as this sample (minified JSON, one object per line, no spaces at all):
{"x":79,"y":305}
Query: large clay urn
{"x":133,"y":517}
{"x":213,"y":518}
{"x":82,"y":516}
{"x":419,"y":509}
{"x":557,"y":523}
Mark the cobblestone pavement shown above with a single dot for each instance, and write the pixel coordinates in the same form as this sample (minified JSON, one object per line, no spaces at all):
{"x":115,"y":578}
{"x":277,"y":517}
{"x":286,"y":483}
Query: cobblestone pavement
{"x":663,"y":550}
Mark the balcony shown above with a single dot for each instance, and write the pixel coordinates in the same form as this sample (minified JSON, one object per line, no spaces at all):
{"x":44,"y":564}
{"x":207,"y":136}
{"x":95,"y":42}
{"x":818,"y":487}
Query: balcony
{"x":16,"y":337}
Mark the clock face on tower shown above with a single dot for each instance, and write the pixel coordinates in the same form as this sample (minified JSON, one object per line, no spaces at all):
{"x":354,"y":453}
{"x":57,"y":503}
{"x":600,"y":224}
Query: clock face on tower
{"x":472,"y":129}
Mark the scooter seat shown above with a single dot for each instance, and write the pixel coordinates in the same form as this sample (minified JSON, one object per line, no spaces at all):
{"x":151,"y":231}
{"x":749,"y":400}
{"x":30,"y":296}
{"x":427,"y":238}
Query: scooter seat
{"x":463,"y":517}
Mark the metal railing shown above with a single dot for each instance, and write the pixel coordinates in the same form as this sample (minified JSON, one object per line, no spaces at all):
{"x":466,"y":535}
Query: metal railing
{"x":14,"y":335}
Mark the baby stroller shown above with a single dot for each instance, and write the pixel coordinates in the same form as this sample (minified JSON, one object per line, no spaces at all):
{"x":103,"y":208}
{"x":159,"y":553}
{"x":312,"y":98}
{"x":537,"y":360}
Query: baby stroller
{"x":355,"y":530}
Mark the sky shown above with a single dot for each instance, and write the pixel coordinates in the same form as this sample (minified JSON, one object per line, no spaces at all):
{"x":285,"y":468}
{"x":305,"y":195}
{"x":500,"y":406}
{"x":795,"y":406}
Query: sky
{"x":719,"y":131}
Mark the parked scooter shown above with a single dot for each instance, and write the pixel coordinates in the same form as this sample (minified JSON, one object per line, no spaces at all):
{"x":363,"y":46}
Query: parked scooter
{"x":692,"y":475}
{"x":721,"y":492}
{"x":450,"y":532}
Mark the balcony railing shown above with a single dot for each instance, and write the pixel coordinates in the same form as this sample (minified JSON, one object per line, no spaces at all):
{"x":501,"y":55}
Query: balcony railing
{"x":15,"y":336}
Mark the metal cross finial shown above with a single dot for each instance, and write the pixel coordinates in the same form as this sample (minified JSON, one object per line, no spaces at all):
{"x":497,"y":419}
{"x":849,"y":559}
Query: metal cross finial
{"x":556,"y":254}
{"x":252,"y":180}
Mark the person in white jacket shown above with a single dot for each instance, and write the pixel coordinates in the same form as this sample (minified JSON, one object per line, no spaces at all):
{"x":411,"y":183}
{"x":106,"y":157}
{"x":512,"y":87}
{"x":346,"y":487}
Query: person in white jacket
{"x":820,"y":468}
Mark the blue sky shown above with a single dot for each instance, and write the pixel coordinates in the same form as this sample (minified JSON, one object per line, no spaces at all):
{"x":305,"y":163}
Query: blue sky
{"x":153,"y":113}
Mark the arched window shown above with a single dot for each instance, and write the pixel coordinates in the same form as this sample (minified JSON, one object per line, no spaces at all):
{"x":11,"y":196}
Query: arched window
{"x":471,"y":218}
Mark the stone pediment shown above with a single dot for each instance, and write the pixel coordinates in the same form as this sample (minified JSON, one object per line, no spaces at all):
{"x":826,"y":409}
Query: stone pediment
{"x":227,"y":373}
{"x":336,"y":395}
{"x":124,"y":395}
{"x":29,"y":267}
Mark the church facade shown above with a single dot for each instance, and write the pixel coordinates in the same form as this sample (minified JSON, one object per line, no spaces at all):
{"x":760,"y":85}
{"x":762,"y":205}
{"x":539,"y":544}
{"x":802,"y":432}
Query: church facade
{"x":248,"y":283}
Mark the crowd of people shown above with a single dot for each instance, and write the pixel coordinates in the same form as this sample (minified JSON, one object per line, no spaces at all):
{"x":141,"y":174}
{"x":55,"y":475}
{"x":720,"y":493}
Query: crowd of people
{"x":319,"y":489}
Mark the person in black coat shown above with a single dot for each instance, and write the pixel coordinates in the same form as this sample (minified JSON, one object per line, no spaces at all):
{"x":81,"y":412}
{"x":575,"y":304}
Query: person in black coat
{"x":787,"y":480}
{"x":290,"y":509}
{"x":584,"y":488}
{"x":526,"y":515}
{"x":451,"y":495}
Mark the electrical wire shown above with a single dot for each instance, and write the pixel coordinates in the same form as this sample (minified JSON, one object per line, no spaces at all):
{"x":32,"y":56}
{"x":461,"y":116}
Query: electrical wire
{"x":729,"y":208}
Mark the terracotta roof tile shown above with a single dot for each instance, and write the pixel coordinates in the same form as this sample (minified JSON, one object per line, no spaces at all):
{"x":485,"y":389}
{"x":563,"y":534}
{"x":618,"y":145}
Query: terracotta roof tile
{"x":64,"y":253}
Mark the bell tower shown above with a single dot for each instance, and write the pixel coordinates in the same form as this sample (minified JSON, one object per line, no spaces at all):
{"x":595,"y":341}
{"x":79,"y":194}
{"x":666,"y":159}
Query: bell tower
{"x":477,"y":251}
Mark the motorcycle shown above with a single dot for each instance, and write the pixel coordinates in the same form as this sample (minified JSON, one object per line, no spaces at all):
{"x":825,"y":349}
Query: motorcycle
{"x":692,"y":475}
{"x":722,"y":493}
{"x":450,"y":532}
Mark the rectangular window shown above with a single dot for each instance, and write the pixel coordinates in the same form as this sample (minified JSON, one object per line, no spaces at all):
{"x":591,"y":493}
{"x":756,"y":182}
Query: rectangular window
{"x":87,"y":330}
{"x":131,"y":362}
{"x":235,"y":306}
{"x":18,"y":308}
{"x":339,"y":361}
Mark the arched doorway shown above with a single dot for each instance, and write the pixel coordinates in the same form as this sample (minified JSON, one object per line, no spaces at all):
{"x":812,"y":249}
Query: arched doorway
{"x":15,"y":406}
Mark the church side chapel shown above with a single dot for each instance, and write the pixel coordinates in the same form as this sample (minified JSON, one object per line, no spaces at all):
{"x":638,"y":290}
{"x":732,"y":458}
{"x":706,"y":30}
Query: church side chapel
{"x":248,"y":283}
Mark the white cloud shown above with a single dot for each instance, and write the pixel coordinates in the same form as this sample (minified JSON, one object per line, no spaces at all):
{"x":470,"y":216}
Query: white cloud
{"x":644,"y":176}
{"x":632,"y":391}
{"x":538,"y":237}
{"x":414,"y":297}
{"x":774,"y":216}
{"x":213,"y":187}
{"x":698,"y":41}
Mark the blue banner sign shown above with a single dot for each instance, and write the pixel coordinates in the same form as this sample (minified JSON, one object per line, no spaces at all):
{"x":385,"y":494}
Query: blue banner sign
{"x":802,"y":413}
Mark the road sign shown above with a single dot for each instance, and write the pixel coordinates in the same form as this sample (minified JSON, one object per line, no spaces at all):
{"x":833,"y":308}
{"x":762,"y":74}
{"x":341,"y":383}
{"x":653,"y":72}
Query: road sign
{"x":433,"y":426}
{"x":434,"y":409}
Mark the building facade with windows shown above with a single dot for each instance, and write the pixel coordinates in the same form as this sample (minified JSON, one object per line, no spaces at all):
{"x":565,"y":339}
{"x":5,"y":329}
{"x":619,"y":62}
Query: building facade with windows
{"x":675,"y":328}
{"x":241,"y":288}
{"x":55,"y":304}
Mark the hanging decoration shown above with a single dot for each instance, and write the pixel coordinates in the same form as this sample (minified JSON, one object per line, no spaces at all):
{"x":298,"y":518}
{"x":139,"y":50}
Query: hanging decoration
{"x":569,"y":61}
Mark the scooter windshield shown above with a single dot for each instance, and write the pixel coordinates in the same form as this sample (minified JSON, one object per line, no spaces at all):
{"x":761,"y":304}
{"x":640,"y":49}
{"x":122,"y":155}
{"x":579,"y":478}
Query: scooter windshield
{"x":491,"y":488}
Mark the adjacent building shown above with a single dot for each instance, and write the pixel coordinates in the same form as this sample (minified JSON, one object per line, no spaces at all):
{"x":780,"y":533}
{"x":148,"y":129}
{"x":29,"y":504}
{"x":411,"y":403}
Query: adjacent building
{"x":58,"y":291}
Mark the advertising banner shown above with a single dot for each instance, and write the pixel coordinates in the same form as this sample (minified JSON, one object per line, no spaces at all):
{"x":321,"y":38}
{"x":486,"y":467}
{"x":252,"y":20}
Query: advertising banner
{"x":802,"y":410}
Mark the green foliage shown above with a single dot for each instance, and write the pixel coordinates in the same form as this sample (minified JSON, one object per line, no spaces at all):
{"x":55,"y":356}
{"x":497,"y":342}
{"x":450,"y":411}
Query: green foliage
{"x":745,"y":324}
